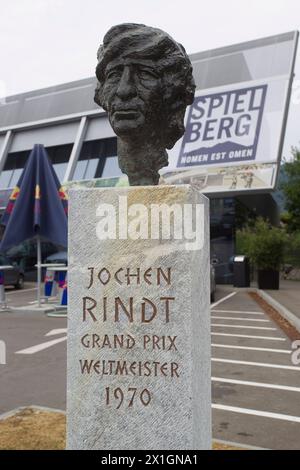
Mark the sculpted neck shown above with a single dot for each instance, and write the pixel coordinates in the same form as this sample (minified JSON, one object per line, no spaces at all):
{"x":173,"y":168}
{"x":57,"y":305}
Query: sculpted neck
{"x":141,"y":160}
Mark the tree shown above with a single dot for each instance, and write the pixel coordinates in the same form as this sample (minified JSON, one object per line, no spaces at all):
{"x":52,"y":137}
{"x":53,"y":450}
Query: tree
{"x":291,"y":190}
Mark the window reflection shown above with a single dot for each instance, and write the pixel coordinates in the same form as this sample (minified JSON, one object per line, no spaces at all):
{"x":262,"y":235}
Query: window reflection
{"x":111,"y":167}
{"x":98,"y":158}
{"x":222,"y":237}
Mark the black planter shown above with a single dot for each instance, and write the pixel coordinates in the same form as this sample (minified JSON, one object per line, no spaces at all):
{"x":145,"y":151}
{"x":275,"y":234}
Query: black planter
{"x":268,"y":279}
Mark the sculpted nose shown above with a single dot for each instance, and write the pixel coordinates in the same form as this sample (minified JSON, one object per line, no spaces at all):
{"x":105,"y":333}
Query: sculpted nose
{"x":126,"y":87}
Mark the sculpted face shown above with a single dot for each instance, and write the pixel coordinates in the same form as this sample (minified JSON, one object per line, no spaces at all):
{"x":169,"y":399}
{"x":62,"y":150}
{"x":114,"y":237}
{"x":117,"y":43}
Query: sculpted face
{"x":144,"y":82}
{"x":133,"y":96}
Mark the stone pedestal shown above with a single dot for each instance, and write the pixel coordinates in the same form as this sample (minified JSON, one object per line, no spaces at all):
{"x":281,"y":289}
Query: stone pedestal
{"x":138,"y":319}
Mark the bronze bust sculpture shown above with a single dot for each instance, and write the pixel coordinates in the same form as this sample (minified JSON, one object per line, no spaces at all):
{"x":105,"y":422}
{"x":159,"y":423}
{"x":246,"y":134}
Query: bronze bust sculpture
{"x":145,"y":83}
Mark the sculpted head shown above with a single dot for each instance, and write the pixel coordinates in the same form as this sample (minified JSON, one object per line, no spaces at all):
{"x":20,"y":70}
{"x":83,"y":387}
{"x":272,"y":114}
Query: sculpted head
{"x":145,"y":83}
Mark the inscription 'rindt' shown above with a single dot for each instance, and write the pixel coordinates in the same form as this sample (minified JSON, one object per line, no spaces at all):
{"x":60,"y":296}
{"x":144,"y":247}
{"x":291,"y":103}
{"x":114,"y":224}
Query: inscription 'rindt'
{"x":116,"y":309}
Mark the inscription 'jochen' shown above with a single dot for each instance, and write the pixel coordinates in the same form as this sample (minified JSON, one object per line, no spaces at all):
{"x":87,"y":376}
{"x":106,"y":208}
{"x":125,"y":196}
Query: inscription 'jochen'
{"x":130,"y":276}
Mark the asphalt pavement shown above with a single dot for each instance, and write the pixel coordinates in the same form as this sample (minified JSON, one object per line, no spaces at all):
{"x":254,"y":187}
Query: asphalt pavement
{"x":255,"y":386}
{"x":36,"y":376}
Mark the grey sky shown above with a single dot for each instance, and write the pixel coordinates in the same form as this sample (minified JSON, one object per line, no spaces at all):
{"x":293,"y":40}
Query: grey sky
{"x":46,"y":42}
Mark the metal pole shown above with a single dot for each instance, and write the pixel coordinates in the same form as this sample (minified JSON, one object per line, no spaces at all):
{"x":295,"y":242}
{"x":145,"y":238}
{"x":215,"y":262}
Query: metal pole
{"x":2,"y":291}
{"x":39,"y":269}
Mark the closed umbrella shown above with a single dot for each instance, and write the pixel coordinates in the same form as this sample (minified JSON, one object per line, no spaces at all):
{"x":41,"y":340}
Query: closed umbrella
{"x":37,"y":207}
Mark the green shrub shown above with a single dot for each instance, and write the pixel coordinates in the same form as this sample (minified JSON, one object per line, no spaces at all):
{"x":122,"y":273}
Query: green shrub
{"x":263,"y":244}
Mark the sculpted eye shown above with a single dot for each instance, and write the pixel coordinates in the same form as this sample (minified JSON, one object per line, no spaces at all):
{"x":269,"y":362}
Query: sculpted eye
{"x":113,"y":74}
{"x":146,"y":74}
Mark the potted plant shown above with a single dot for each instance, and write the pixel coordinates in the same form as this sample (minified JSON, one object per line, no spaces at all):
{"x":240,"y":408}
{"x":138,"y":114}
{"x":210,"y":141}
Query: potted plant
{"x":264,"y":244}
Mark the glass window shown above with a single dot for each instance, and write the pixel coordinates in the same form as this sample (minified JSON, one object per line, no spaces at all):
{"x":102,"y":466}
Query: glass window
{"x":15,"y":163}
{"x":15,"y":177}
{"x":253,"y":60}
{"x":222,"y":237}
{"x":5,"y":178}
{"x":59,"y":156}
{"x":91,"y":168}
{"x":98,"y":158}
{"x":111,"y":167}
{"x":80,"y":170}
{"x":60,"y":170}
{"x":13,"y":167}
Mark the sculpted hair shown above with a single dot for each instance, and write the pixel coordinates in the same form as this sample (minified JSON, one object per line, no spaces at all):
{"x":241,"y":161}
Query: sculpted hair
{"x":171,"y":62}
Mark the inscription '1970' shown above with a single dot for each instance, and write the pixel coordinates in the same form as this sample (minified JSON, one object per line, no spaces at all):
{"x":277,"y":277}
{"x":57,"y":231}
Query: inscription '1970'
{"x":133,"y":395}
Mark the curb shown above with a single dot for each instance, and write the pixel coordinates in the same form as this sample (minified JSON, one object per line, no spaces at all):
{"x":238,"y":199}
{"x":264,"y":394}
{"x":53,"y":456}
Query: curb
{"x":31,"y":309}
{"x":13,"y":412}
{"x":283,"y":311}
{"x":50,"y":310}
{"x":57,"y":315}
{"x":238,"y":444}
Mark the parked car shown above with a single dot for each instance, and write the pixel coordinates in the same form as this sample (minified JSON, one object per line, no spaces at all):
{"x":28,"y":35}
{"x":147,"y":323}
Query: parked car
{"x":59,"y":257}
{"x":14,"y":276}
{"x":212,"y":283}
{"x":25,"y":254}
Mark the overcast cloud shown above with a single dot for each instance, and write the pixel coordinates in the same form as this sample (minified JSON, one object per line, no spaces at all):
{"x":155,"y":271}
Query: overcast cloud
{"x":46,"y":42}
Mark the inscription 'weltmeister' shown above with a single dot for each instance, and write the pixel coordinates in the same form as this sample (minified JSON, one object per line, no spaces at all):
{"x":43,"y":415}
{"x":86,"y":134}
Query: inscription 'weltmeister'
{"x":135,"y":368}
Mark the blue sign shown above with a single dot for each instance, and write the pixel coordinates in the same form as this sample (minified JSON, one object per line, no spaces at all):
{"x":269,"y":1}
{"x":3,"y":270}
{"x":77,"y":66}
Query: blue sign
{"x":223,"y":127}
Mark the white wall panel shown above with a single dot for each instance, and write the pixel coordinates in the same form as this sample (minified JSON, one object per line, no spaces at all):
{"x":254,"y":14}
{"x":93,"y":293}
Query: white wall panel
{"x":2,"y":137}
{"x":99,"y":128}
{"x":48,"y":136}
